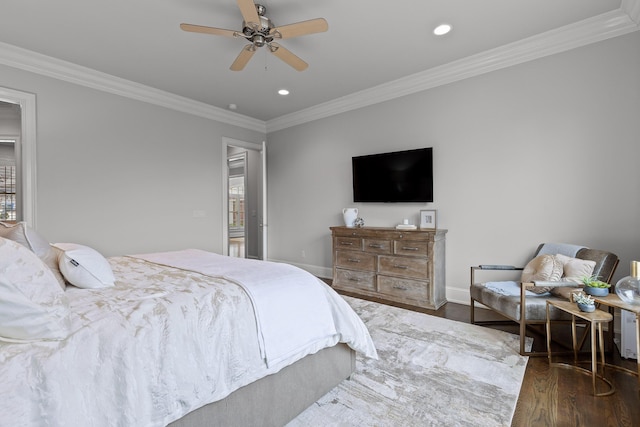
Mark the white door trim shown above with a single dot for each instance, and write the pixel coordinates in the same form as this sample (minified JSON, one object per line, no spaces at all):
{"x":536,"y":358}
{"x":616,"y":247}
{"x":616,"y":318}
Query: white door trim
{"x":27,"y":102}
{"x":263,"y":205}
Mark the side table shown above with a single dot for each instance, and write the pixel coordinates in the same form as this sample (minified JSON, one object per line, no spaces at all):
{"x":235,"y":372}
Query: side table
{"x":614,"y":301}
{"x":596,"y":319}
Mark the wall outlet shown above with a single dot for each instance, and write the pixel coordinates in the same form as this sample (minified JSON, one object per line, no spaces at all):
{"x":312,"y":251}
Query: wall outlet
{"x":303,"y":254}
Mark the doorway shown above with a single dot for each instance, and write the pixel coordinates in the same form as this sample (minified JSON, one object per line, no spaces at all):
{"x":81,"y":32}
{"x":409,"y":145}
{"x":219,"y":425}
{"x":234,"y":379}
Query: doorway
{"x":244,"y":227}
{"x":237,"y":167}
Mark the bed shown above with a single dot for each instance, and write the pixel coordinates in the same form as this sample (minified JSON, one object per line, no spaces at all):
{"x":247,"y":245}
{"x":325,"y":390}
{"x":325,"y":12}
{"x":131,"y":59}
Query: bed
{"x":183,"y":338}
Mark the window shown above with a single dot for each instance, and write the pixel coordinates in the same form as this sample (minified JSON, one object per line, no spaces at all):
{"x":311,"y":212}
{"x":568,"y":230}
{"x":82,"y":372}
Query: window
{"x":7,"y":193}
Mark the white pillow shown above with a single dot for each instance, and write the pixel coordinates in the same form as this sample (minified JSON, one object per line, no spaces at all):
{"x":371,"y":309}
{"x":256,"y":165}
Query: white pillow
{"x":29,"y":238}
{"x":32,"y":304}
{"x":84,"y":267}
{"x":574,"y":269}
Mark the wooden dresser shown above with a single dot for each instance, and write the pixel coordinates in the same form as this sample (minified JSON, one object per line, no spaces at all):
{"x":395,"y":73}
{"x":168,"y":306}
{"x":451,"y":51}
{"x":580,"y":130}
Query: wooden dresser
{"x":405,"y":266}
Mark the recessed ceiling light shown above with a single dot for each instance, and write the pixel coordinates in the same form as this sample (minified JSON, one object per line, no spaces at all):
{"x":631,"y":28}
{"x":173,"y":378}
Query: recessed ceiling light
{"x":442,"y":29}
{"x":283,"y":92}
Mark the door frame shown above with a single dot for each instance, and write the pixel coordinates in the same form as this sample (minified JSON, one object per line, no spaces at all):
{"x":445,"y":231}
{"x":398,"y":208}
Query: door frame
{"x":226,"y":142}
{"x":27,"y":102}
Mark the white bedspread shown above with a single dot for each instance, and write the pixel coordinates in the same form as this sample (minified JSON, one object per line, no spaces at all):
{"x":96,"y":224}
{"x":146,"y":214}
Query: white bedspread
{"x":307,"y":318}
{"x":158,"y":345}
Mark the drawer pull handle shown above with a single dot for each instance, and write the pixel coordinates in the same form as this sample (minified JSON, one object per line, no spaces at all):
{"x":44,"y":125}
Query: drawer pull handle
{"x":401,"y":267}
{"x":375,"y":245}
{"x":346,"y":243}
{"x":401,"y":288}
{"x":353,"y":260}
{"x":407,"y":248}
{"x":353,"y":279}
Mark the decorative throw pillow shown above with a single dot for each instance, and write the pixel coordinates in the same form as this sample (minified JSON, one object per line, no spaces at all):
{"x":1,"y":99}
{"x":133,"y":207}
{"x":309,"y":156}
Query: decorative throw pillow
{"x":84,"y":267}
{"x":29,"y":238}
{"x":574,"y":269}
{"x":542,"y":268}
{"x":32,"y":305}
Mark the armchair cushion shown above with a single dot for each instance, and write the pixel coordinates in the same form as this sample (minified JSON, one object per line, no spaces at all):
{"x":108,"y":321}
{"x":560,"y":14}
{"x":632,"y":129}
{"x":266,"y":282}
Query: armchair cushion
{"x":542,"y":268}
{"x":507,"y":301}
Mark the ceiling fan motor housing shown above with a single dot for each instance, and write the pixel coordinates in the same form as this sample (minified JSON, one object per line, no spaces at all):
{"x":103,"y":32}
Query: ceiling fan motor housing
{"x":259,"y":36}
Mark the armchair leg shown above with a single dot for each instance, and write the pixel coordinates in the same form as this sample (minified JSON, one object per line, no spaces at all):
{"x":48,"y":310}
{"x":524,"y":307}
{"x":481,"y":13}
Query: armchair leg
{"x":472,"y":312}
{"x":523,"y":318}
{"x":523,"y":336}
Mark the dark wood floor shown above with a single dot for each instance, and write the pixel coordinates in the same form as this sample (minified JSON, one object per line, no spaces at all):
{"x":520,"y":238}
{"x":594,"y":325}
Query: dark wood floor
{"x":562,"y":397}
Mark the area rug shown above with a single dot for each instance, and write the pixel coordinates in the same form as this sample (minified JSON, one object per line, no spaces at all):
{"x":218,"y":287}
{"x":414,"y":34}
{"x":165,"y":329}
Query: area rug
{"x":431,"y":372}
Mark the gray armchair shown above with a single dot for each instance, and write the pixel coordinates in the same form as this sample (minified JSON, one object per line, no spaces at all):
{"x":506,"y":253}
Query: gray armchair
{"x":525,"y":303}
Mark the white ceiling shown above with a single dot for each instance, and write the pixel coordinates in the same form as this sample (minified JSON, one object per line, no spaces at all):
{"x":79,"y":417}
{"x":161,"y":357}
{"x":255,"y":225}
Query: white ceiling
{"x":368,"y":43}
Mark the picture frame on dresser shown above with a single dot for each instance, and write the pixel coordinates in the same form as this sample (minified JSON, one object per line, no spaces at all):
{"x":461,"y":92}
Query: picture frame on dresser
{"x":428,"y":219}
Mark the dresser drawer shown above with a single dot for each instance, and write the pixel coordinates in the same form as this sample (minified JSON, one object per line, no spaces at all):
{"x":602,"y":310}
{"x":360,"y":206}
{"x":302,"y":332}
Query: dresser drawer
{"x":346,"y":279}
{"x":407,"y":247}
{"x":356,"y":260}
{"x":377,"y":246}
{"x":404,"y":266}
{"x":347,"y":243}
{"x":403,"y":288}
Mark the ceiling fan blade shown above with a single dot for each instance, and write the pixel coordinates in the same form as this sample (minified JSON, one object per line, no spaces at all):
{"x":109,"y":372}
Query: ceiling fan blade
{"x":249,"y":12}
{"x":244,"y":57}
{"x":311,"y":26}
{"x":207,"y":30}
{"x":288,"y":57}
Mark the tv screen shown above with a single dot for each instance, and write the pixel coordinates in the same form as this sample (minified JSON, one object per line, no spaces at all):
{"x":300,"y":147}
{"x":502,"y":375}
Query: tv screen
{"x":401,"y":176}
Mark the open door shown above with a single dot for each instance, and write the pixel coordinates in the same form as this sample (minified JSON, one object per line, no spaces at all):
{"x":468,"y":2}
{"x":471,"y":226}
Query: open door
{"x":254,"y":201}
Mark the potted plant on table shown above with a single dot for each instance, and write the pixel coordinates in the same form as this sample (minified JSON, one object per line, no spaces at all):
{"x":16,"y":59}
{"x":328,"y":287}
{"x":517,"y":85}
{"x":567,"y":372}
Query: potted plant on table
{"x":595,"y":287}
{"x":585,"y":302}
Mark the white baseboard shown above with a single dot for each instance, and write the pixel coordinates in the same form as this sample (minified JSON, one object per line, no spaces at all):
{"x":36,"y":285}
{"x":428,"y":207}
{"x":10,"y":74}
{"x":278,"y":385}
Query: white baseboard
{"x":459,"y":296}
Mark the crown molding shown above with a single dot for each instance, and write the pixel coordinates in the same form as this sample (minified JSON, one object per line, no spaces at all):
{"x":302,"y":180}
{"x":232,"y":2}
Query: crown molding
{"x":595,"y":29}
{"x":48,"y":66}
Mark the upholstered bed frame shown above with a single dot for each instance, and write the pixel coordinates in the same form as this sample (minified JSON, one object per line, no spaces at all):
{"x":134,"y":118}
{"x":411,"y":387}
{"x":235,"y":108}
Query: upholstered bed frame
{"x":277,"y":399}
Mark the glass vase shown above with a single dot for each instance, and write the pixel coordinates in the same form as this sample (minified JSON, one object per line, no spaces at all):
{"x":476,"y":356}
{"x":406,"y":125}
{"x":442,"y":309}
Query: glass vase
{"x":628,"y":288}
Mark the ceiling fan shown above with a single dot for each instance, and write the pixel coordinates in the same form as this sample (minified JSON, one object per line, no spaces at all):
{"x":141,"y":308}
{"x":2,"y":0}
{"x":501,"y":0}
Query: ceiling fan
{"x":260,"y":31}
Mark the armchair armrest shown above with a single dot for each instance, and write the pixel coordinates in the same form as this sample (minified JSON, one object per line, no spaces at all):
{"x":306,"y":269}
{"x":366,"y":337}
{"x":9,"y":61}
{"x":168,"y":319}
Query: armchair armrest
{"x":494,"y":267}
{"x":551,"y":284}
{"x":498,"y":267}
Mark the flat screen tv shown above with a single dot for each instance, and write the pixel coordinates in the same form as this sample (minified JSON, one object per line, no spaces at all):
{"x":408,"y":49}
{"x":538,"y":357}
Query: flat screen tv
{"x":401,"y":176}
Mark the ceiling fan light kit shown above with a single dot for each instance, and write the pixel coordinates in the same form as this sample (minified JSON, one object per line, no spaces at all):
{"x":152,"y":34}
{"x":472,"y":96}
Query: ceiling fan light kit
{"x":260,"y":31}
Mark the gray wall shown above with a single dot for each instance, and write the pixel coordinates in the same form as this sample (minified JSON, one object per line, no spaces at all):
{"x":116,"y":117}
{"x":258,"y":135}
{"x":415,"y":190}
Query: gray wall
{"x":121,"y":175}
{"x":544,"y":151}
